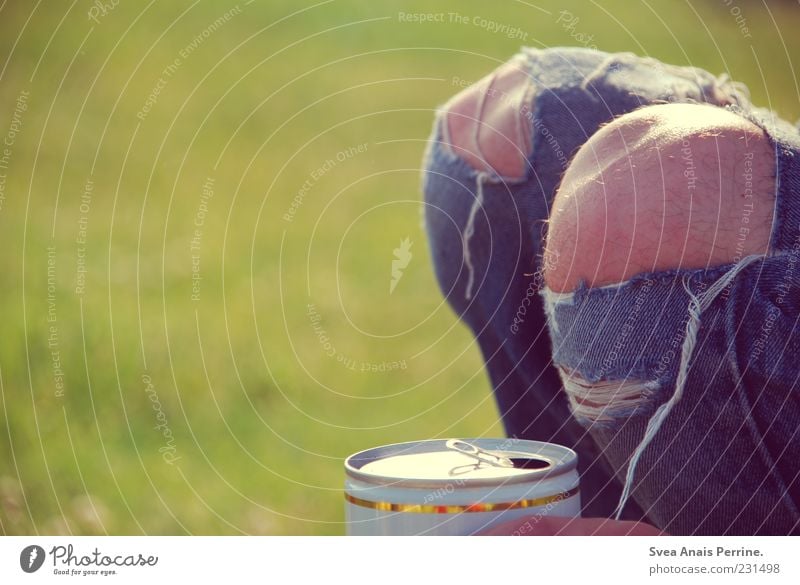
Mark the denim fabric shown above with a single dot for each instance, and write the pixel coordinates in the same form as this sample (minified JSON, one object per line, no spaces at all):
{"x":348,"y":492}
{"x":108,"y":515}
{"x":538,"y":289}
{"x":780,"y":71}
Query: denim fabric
{"x":486,"y":234}
{"x":727,"y":458}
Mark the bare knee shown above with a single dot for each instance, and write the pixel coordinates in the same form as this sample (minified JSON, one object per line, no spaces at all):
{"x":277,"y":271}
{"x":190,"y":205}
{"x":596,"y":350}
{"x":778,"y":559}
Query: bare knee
{"x":486,"y":123}
{"x":667,"y":186}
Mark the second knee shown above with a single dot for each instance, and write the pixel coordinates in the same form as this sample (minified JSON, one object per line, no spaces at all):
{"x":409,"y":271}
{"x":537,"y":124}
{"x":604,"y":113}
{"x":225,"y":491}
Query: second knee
{"x":664,"y":187}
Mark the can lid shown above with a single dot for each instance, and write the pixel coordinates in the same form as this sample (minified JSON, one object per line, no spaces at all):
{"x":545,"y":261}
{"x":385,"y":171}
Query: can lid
{"x":473,"y":461}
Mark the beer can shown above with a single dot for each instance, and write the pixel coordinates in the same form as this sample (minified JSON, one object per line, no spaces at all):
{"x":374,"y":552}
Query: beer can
{"x":457,"y":486}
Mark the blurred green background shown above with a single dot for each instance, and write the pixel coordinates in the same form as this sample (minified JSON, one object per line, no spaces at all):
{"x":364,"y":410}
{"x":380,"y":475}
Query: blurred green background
{"x":186,"y":351}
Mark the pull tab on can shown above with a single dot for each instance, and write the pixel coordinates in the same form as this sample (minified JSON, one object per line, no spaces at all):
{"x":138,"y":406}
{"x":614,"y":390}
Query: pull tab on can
{"x":479,"y":454}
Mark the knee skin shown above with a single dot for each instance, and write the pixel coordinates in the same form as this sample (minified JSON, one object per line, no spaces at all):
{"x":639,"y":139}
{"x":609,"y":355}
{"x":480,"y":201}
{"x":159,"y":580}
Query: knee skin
{"x":664,"y":187}
{"x":486,"y":122}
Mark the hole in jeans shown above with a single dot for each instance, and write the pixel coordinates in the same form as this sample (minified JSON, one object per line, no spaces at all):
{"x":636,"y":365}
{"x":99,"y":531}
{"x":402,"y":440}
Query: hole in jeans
{"x":604,"y":400}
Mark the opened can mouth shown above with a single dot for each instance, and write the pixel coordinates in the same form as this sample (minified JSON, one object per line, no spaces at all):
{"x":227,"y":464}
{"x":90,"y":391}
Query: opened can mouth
{"x":530,"y":463}
{"x":474,"y":462}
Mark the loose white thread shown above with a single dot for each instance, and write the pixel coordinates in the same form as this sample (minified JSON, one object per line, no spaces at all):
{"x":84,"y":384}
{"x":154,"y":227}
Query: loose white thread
{"x":697,"y":305}
{"x":469,"y":231}
{"x":469,"y":228}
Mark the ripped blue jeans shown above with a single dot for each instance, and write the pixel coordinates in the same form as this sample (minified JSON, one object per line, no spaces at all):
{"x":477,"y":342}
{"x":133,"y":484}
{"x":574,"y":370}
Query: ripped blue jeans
{"x":703,"y":438}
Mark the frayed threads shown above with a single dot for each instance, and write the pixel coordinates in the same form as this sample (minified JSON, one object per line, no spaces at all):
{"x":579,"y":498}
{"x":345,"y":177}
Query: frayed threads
{"x":469,"y":231}
{"x":605,"y":400}
{"x":697,"y":305}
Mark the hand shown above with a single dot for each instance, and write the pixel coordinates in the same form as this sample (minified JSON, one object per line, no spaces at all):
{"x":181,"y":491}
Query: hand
{"x":561,"y":526}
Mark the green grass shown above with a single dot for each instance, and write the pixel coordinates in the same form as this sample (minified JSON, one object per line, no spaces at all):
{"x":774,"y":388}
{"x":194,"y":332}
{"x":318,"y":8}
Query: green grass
{"x":261,"y":416}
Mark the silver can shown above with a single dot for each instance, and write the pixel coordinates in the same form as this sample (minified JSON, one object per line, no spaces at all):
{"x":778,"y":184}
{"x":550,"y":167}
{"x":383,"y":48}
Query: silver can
{"x":457,"y":486}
